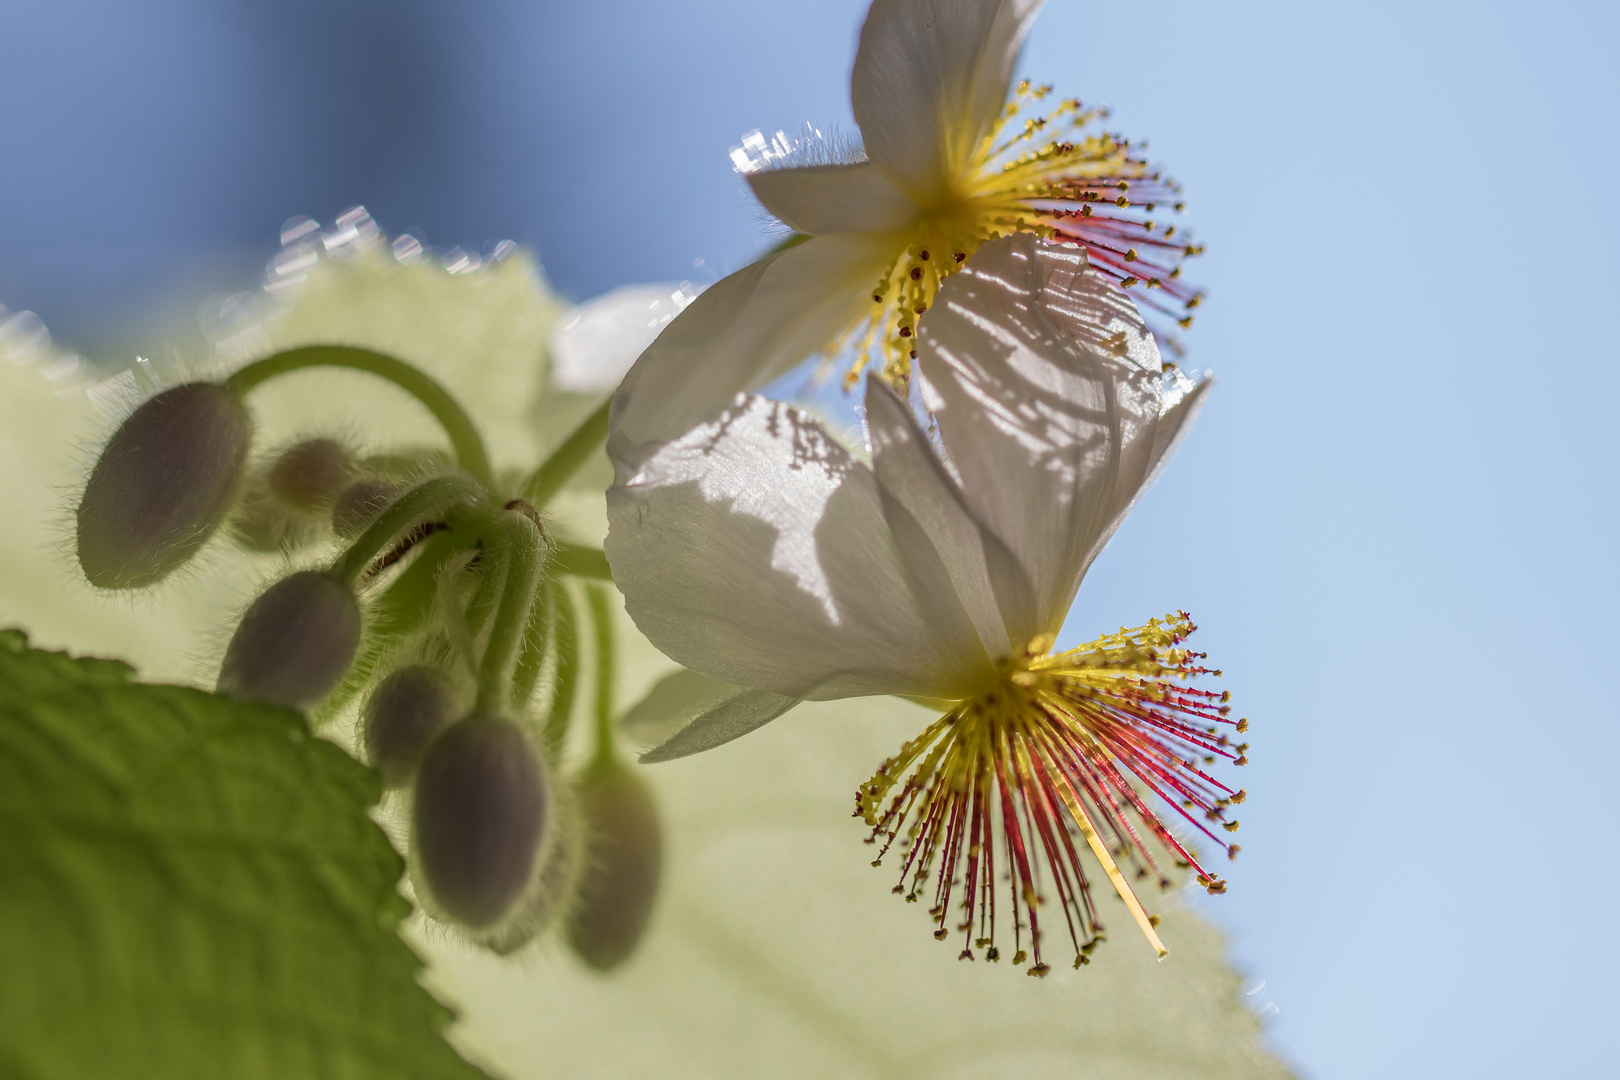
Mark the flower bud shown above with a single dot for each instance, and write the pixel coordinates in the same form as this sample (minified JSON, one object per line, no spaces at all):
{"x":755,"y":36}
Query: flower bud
{"x":482,"y":807}
{"x":624,"y":857}
{"x":361,"y":503}
{"x":162,"y":485}
{"x":311,"y":474}
{"x":552,"y":894}
{"x":400,"y":718}
{"x":295,"y":643}
{"x":263,"y":522}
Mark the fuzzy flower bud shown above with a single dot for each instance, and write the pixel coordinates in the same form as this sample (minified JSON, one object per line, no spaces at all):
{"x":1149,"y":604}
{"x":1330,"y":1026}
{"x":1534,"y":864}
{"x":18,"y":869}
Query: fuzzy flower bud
{"x":163,"y":484}
{"x":624,"y":857}
{"x":295,"y":643}
{"x":360,"y":504}
{"x":483,"y":803}
{"x":400,"y":718}
{"x":311,"y":474}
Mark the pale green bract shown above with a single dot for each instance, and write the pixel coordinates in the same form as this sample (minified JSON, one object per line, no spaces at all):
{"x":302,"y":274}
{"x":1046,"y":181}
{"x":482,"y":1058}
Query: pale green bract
{"x":774,"y":950}
{"x":190,"y":887}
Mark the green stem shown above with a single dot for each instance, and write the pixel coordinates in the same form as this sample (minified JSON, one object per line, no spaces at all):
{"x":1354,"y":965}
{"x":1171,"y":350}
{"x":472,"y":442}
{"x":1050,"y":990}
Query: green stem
{"x":533,"y":657}
{"x":606,"y":669}
{"x":464,"y":437}
{"x":397,"y":613}
{"x":567,"y":638}
{"x":524,"y":551}
{"x":564,"y":461}
{"x":578,"y":560}
{"x":447,"y":599}
{"x":488,"y":592}
{"x":431,"y":498}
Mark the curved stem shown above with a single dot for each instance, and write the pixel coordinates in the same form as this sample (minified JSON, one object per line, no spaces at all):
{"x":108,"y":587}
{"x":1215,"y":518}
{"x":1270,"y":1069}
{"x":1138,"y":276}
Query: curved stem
{"x":578,"y":560}
{"x":427,"y":499}
{"x":565,"y":461}
{"x":397,"y":613}
{"x":488,"y":593}
{"x":606,"y":669}
{"x":464,"y":437}
{"x":448,"y":600}
{"x":566,"y":633}
{"x":533,"y":657}
{"x":524,"y":549}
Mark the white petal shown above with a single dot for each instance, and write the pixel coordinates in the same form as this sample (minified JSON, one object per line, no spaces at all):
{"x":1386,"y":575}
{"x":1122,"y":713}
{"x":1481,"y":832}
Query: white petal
{"x":673,"y":702}
{"x":1045,"y":384}
{"x":930,"y":78}
{"x":934,"y":528}
{"x":742,"y":333}
{"x":686,"y":712}
{"x":1173,"y":424}
{"x":754,"y":550}
{"x":732,"y":718}
{"x":817,"y":199}
{"x":594,"y":344}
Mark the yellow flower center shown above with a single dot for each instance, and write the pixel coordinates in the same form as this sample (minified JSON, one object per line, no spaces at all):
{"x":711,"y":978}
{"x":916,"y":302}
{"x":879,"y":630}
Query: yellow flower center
{"x":1062,"y":753}
{"x":1073,"y":187}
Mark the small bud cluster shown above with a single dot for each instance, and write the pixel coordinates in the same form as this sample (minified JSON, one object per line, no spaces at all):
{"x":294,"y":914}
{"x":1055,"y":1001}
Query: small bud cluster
{"x":434,"y":599}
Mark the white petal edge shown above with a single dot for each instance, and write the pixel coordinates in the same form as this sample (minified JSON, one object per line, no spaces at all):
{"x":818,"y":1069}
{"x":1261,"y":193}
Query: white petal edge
{"x":594,"y":343}
{"x":934,"y":528}
{"x":740,"y":334}
{"x":1045,"y":385}
{"x":818,"y":199}
{"x":754,"y":550}
{"x":930,"y":78}
{"x":732,"y":718}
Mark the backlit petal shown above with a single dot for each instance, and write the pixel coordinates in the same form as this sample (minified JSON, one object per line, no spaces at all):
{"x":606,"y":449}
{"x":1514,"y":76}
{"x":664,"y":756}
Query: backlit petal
{"x":754,"y":549}
{"x":731,"y":718}
{"x":1045,"y":384}
{"x":817,"y":199}
{"x":930,"y":78}
{"x":933,"y":526}
{"x":740,"y":334}
{"x":1173,"y":424}
{"x":594,"y":344}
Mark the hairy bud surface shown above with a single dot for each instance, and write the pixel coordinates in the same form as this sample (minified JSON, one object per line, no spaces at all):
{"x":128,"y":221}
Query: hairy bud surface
{"x":295,"y":643}
{"x":311,"y":474}
{"x":163,"y":484}
{"x":401,"y":716}
{"x":482,"y":807}
{"x":623,"y":862}
{"x":361,"y":503}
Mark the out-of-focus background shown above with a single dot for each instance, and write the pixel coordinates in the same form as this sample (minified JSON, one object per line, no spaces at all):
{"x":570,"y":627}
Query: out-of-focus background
{"x":1395,"y":520}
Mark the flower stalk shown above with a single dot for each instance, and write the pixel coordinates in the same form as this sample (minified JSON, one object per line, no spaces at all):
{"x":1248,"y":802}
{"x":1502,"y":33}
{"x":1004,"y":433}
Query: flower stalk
{"x":465,"y":440}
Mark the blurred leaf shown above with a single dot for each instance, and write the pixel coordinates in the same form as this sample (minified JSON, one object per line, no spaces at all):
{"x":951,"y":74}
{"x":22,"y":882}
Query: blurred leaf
{"x":482,"y":334}
{"x":193,"y":887}
{"x":776,"y":950}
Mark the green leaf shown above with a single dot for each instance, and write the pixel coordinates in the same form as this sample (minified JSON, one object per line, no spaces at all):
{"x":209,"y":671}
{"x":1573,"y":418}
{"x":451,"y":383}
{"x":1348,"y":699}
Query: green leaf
{"x":775,"y":948}
{"x":193,"y":887}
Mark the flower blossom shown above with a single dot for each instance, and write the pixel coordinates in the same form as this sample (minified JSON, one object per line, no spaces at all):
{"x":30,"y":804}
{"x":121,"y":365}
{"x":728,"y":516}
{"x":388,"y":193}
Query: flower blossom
{"x":946,"y":162}
{"x":757,"y":550}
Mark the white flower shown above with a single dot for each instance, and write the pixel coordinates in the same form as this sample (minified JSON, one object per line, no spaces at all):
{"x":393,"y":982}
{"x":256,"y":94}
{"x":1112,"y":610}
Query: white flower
{"x":594,"y":343}
{"x":756,"y":550}
{"x":745,"y":962}
{"x":946,"y":166}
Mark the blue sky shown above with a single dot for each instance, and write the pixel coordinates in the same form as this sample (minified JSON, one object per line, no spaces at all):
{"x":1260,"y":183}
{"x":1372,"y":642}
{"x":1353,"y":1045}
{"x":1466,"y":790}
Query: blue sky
{"x":1394,"y":521}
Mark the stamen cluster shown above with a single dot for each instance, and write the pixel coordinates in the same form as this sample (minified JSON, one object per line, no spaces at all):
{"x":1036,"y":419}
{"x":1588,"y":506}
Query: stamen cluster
{"x":1049,"y":176}
{"x":1064,"y":751}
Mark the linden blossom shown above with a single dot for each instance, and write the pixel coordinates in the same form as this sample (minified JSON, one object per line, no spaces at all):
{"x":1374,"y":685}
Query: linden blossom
{"x":756,"y":550}
{"x":948,"y":162}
